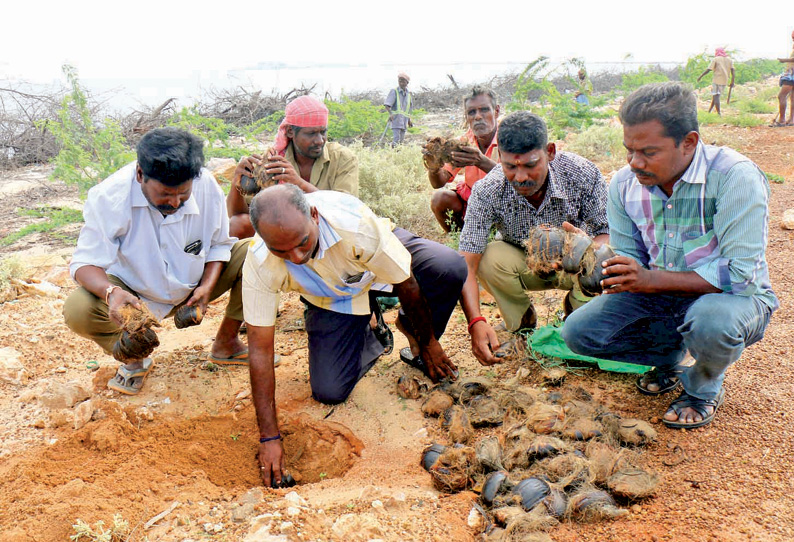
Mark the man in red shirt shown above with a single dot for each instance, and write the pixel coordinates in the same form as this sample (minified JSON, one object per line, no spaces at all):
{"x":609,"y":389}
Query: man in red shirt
{"x":449,"y":206}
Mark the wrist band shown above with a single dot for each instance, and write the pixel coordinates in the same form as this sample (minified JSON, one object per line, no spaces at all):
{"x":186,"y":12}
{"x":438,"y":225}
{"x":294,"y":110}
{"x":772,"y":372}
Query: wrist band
{"x":262,"y":440}
{"x":474,"y":321}
{"x":109,"y":291}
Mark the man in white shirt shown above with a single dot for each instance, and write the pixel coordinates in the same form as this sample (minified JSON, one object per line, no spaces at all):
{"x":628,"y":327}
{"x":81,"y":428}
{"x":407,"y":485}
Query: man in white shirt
{"x":156,"y":232}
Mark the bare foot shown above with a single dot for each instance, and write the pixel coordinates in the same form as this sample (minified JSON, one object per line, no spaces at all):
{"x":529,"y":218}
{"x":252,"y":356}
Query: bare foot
{"x":412,"y":342}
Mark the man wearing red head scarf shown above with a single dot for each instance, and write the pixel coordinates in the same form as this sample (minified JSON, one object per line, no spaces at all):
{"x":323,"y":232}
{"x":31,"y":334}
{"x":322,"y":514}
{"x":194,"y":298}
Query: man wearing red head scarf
{"x":722,"y":65}
{"x":301,"y":156}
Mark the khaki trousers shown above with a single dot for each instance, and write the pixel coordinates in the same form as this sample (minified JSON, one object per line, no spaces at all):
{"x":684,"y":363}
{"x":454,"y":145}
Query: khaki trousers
{"x":503,"y":272}
{"x":87,"y":315}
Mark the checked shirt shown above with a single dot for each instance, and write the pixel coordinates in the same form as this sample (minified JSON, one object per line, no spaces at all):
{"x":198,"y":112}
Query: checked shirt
{"x":576,"y":193}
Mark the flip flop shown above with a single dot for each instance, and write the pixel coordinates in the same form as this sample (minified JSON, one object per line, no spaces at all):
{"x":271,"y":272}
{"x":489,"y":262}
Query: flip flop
{"x":667,"y":380}
{"x":699,"y":405}
{"x":416,"y":362}
{"x":240,"y":358}
{"x":130,"y":382}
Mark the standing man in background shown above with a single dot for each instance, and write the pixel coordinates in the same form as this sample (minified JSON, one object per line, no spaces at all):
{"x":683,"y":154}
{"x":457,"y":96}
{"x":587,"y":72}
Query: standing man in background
{"x":722,"y":65}
{"x":398,"y":105}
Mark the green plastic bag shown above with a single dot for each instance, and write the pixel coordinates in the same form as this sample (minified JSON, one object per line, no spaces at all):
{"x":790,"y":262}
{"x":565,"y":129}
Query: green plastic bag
{"x":548,"y":341}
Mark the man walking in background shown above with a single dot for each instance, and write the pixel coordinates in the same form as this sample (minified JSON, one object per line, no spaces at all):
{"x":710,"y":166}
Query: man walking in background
{"x":398,"y":105}
{"x":722,"y":65}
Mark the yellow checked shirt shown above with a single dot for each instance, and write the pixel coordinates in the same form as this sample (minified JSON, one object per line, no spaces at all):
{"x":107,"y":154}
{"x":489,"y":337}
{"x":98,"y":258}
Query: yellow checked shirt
{"x":336,"y":169}
{"x":357,"y":252}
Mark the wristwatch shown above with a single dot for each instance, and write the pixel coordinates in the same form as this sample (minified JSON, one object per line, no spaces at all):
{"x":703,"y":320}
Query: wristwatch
{"x":109,"y":291}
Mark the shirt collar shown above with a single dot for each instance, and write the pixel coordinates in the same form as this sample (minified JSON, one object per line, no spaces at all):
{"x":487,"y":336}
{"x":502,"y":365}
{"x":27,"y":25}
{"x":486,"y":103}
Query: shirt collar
{"x":473,"y":139}
{"x":554,"y":190}
{"x":327,"y":237}
{"x":696,"y":172}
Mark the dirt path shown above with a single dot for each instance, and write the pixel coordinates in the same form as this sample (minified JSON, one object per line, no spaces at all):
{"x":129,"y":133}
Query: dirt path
{"x":190,"y":436}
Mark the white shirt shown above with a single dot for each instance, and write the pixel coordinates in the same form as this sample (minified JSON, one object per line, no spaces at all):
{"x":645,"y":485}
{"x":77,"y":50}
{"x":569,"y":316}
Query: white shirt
{"x":128,"y":238}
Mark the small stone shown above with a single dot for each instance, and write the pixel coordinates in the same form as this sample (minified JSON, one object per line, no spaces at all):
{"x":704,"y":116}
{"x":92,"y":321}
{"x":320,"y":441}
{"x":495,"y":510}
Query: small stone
{"x":369,"y":493}
{"x":83,"y":413}
{"x":787,"y":223}
{"x":421,"y":434}
{"x":61,"y":418}
{"x":286,"y":527}
{"x":40,"y":423}
{"x":476,"y":520}
{"x":241,"y":513}
{"x":655,"y":419}
{"x":357,"y":527}
{"x":243,"y":395}
{"x":66,"y":395}
{"x":396,"y":502}
{"x":294,"y":499}
{"x":11,"y":369}
{"x":378,"y":506}
{"x":636,"y":509}
{"x":60,"y":370}
{"x":293,"y":511}
{"x":252,"y":496}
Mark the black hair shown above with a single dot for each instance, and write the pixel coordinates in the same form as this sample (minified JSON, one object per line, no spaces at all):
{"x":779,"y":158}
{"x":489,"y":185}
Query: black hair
{"x":672,"y":104}
{"x":522,"y":132}
{"x":170,"y":156}
{"x":480,"y":91}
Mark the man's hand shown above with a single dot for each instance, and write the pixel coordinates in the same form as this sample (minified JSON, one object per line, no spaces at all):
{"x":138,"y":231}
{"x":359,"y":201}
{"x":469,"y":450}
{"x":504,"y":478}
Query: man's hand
{"x":439,"y":366}
{"x":471,"y":156}
{"x":200,"y":297}
{"x":118,"y":298}
{"x":245,"y":167}
{"x":283,"y":171}
{"x":271,"y":462}
{"x":410,"y":123}
{"x":484,"y":343}
{"x":431,"y":162}
{"x":626,"y":275}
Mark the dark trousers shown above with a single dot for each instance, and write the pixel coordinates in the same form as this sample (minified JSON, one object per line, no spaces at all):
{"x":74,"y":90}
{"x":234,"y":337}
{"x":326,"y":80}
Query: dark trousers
{"x":343,"y":347}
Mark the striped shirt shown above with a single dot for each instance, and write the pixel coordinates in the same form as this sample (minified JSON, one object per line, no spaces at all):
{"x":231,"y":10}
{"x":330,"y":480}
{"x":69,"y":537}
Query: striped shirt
{"x":357,"y":252}
{"x":714,"y":223}
{"x":576,"y":193}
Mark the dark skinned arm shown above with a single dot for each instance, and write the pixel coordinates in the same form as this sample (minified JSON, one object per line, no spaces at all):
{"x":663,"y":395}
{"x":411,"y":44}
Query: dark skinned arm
{"x":201,"y":295}
{"x":95,"y":280}
{"x":261,"y":342}
{"x":235,"y":203}
{"x":415,"y":306}
{"x":627,"y":275}
{"x":483,"y":337}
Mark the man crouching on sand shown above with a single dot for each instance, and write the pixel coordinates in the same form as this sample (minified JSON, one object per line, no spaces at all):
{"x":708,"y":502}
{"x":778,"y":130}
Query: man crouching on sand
{"x":332,"y":249}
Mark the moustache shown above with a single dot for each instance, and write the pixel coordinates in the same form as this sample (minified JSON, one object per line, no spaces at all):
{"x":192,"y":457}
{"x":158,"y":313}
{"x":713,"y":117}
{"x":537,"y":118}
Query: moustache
{"x":642,"y":173}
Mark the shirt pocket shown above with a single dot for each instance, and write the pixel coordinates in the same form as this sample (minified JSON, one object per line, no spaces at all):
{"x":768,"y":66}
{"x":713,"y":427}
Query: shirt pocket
{"x":699,"y":249}
{"x":194,"y":266}
{"x":358,"y":281}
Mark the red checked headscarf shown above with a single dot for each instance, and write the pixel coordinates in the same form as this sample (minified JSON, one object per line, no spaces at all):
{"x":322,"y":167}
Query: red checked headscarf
{"x":304,"y":112}
{"x":720,"y":52}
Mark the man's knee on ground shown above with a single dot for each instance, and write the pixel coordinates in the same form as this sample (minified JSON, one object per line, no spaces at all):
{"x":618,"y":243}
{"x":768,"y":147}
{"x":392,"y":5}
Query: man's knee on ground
{"x":332,"y":393}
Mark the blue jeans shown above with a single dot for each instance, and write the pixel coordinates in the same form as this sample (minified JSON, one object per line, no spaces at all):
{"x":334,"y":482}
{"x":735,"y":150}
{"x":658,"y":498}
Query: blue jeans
{"x":657,"y":330}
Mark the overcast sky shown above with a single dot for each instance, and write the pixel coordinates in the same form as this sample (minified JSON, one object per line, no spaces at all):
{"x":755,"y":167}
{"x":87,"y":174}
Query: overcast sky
{"x":169,"y":38}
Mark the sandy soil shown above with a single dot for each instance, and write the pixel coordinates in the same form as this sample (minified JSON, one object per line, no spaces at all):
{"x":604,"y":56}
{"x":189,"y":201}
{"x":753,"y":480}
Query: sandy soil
{"x":190,"y":436}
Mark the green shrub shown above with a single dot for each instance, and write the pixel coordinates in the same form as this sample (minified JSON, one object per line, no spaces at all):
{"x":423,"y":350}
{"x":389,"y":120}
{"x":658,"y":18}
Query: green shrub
{"x":54,"y":218}
{"x":644,"y":75}
{"x":218,"y":133}
{"x":600,"y":143}
{"x":561,"y":112}
{"x":89,"y":151}
{"x":349,"y":119}
{"x":775,"y":178}
{"x":393,"y":182}
{"x":755,"y":106}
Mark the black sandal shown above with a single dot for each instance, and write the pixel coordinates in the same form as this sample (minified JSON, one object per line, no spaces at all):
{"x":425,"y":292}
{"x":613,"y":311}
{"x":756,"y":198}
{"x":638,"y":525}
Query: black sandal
{"x":698,"y":405}
{"x":666,"y":379}
{"x":382,"y":331}
{"x":416,"y":362}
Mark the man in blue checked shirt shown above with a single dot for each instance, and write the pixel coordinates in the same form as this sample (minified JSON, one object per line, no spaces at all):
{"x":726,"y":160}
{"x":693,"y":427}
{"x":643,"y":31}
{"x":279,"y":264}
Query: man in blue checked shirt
{"x":689,"y":224}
